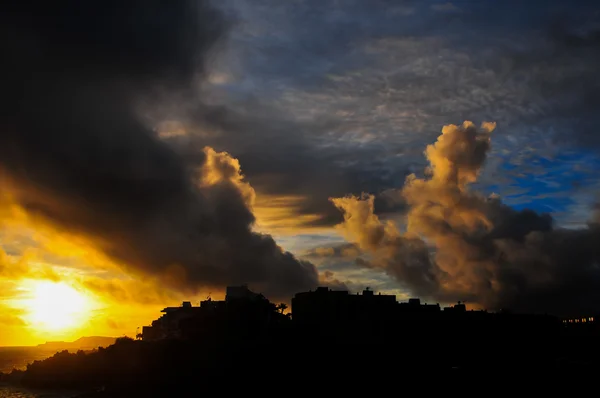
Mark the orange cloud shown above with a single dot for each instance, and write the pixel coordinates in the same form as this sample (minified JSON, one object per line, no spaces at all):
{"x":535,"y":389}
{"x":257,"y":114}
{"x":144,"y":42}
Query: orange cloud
{"x":281,"y":214}
{"x":462,"y":245}
{"x":439,"y":208}
{"x":220,"y":168}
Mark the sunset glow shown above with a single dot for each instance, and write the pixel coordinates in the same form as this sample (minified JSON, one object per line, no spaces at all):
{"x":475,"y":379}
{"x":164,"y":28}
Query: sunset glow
{"x":57,"y":306}
{"x":154,"y":153}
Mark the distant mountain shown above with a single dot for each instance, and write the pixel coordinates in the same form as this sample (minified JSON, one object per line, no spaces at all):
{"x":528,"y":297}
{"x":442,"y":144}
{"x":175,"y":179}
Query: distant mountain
{"x":83,"y":343}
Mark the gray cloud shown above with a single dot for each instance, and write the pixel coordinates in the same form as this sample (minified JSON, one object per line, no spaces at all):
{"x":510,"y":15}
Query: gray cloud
{"x":284,"y":156}
{"x":346,"y":94}
{"x":342,"y":250}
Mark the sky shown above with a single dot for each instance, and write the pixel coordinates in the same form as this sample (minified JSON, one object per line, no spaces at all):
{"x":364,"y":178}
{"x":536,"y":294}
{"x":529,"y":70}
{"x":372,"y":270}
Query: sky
{"x":155,"y":153}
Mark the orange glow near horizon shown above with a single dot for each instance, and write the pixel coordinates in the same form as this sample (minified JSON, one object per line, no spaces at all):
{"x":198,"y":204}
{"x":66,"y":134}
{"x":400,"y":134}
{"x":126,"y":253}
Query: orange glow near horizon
{"x":42,"y":310}
{"x":56,"y":306}
{"x":58,"y":285}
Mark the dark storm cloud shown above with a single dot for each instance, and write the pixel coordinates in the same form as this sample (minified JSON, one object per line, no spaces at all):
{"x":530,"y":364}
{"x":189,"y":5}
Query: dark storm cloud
{"x":341,"y":96}
{"x":279,"y":160}
{"x":282,"y":156}
{"x":461,"y":245}
{"x":75,"y":151}
{"x":281,"y":153}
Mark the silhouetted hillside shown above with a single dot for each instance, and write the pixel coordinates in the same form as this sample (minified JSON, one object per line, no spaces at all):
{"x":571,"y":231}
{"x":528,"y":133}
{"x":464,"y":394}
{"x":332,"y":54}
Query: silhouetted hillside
{"x":167,"y":367}
{"x":82,"y":343}
{"x":18,"y":357}
{"x":363,"y":338}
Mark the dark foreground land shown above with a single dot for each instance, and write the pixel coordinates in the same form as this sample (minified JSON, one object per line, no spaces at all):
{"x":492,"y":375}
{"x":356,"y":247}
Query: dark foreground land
{"x":301,"y":360}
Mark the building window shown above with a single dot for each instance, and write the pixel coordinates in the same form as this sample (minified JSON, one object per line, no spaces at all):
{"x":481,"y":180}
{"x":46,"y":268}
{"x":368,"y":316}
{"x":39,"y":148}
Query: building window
{"x":591,"y":319}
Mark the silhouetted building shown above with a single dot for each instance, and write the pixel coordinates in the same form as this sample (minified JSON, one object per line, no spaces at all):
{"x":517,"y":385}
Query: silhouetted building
{"x":374,"y":316}
{"x":167,"y":326}
{"x":457,"y":308}
{"x":582,"y":325}
{"x":339,"y":313}
{"x":414,"y":306}
{"x":240,"y":293}
{"x":332,"y":306}
{"x":242,"y":310}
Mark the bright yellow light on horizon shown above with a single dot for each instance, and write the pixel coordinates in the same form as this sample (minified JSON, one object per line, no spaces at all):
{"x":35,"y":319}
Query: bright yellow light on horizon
{"x":56,"y":306}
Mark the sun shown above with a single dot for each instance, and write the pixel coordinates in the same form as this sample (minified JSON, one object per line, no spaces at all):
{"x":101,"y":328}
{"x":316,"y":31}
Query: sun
{"x":57,"y":306}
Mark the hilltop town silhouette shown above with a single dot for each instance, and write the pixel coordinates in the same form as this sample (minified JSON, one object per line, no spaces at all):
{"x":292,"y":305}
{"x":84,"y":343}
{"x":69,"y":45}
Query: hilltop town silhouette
{"x":364,"y":336}
{"x":338,"y":313}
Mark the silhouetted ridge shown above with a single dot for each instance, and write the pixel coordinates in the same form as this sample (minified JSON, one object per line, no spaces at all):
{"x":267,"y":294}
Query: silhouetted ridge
{"x":82,"y":343}
{"x":245,"y":337}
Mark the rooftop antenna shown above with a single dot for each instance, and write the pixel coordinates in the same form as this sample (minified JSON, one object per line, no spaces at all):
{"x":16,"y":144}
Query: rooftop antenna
{"x":208,"y":297}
